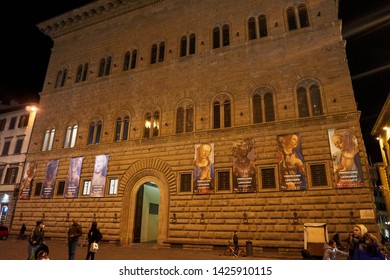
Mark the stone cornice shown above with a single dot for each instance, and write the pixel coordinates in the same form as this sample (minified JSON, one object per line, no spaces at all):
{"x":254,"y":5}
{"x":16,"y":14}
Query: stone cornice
{"x":90,"y":14}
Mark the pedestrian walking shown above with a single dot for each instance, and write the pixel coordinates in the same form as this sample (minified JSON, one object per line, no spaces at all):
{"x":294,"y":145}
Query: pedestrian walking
{"x":74,"y":232}
{"x":235,"y":242}
{"x":36,"y":238}
{"x":22,"y":232}
{"x":94,"y":235}
{"x":363,"y":245}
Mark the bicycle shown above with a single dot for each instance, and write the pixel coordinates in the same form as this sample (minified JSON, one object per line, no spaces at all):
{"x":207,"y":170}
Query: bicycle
{"x":230,"y":251}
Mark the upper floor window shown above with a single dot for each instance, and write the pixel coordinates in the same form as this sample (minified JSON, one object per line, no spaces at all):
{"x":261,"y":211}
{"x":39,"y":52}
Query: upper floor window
{"x":7,"y":144}
{"x":62,"y":75}
{"x":2,"y":124}
{"x":23,"y":121}
{"x":82,"y":72}
{"x":48,"y":139}
{"x":105,"y":66}
{"x":12,"y":123}
{"x":71,"y":136}
{"x":187,"y":45}
{"x":222,"y":112}
{"x":152,"y":124}
{"x":297,"y":17}
{"x":95,"y":131}
{"x":122,"y":128}
{"x":309,"y":99}
{"x":185,"y":119}
{"x":221,"y":36}
{"x":261,"y":23}
{"x":11,"y":174}
{"x":19,"y":144}
{"x":130,"y":60}
{"x":157,"y":53}
{"x":263,"y":106}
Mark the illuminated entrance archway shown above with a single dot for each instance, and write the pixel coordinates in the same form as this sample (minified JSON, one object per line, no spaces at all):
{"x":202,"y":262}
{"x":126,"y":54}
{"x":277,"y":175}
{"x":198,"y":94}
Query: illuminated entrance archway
{"x":137,"y":176}
{"x":146,"y":213}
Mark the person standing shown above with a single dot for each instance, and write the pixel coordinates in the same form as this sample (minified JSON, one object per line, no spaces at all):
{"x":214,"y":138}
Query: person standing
{"x":94,"y":235}
{"x":331,"y":251}
{"x":363,"y":245}
{"x":36,"y":238}
{"x":74,"y":232}
{"x":22,"y":231}
{"x":235,"y":242}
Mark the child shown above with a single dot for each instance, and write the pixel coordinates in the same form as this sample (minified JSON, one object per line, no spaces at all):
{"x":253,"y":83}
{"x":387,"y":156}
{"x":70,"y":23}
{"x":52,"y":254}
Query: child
{"x":331,"y":251}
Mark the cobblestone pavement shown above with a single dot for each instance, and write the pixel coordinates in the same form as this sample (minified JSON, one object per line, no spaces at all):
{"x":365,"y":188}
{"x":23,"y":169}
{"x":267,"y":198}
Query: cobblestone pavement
{"x":14,"y":249}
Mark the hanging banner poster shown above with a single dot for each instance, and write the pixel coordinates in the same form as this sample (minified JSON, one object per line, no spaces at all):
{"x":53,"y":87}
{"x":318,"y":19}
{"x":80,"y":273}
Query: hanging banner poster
{"x":72,"y":183}
{"x":345,"y":156}
{"x":204,"y":168}
{"x":98,"y":183}
{"x":291,"y":163}
{"x":244,"y":170}
{"x":28,"y":176}
{"x":50,"y":179}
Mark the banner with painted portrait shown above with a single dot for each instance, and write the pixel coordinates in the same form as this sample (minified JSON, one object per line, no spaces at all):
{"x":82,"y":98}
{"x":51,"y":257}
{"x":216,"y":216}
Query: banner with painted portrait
{"x":98,"y":183}
{"x":244,"y":169}
{"x":204,"y":168}
{"x":50,"y":179}
{"x":292,"y":174}
{"x":28,"y":177}
{"x":73,"y":180}
{"x":347,"y":167}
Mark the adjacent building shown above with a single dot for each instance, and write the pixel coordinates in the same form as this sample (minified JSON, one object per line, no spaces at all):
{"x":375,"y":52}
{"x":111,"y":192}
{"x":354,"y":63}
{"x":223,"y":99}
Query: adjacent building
{"x":179,"y":122}
{"x":381,"y":130}
{"x":16,"y":123}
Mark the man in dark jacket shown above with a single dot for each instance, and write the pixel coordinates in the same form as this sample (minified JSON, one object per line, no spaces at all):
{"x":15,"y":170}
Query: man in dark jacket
{"x":74,"y":232}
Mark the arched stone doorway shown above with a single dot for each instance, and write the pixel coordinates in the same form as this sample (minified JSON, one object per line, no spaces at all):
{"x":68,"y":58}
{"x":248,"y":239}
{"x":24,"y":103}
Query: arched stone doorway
{"x":146,"y":213}
{"x":139,"y":174}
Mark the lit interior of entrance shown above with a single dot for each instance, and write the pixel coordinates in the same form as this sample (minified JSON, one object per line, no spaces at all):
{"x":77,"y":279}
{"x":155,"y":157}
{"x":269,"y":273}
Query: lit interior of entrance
{"x":146,"y":213}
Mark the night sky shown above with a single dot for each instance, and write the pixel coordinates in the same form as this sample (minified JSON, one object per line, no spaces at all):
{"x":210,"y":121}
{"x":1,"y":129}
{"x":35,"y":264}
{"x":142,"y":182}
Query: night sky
{"x":366,"y":28}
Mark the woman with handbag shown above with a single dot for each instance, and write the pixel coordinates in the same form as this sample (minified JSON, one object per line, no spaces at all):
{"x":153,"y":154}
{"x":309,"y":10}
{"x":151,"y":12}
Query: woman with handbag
{"x":94,"y":236}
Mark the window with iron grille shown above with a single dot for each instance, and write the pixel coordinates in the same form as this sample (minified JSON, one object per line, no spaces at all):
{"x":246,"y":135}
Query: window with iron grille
{"x":38,"y":189}
{"x":224,"y":181}
{"x":268,"y":178}
{"x":185,"y":182}
{"x":61,"y":187}
{"x":318,"y":175}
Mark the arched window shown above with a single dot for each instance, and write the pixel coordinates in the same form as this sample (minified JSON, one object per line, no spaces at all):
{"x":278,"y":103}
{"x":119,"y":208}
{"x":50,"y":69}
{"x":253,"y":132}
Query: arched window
{"x":126,"y":61}
{"x":263,"y":106}
{"x":309,"y":99}
{"x":291,"y":20}
{"x":222,"y":112}
{"x":261,"y":22}
{"x":187,"y":45}
{"x":95,"y":131}
{"x":157,"y":52}
{"x":105,"y":66}
{"x":297,"y":17}
{"x":252,"y":29}
{"x":133,"y":63}
{"x":221,"y":36}
{"x":82,"y":71}
{"x":303,"y":17}
{"x":71,"y":136}
{"x":263,"y":26}
{"x":152,"y":124}
{"x":122,"y":128}
{"x":183,"y":46}
{"x":216,"y":38}
{"x":62,"y":76}
{"x":48,"y":139}
{"x":185,"y":119}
